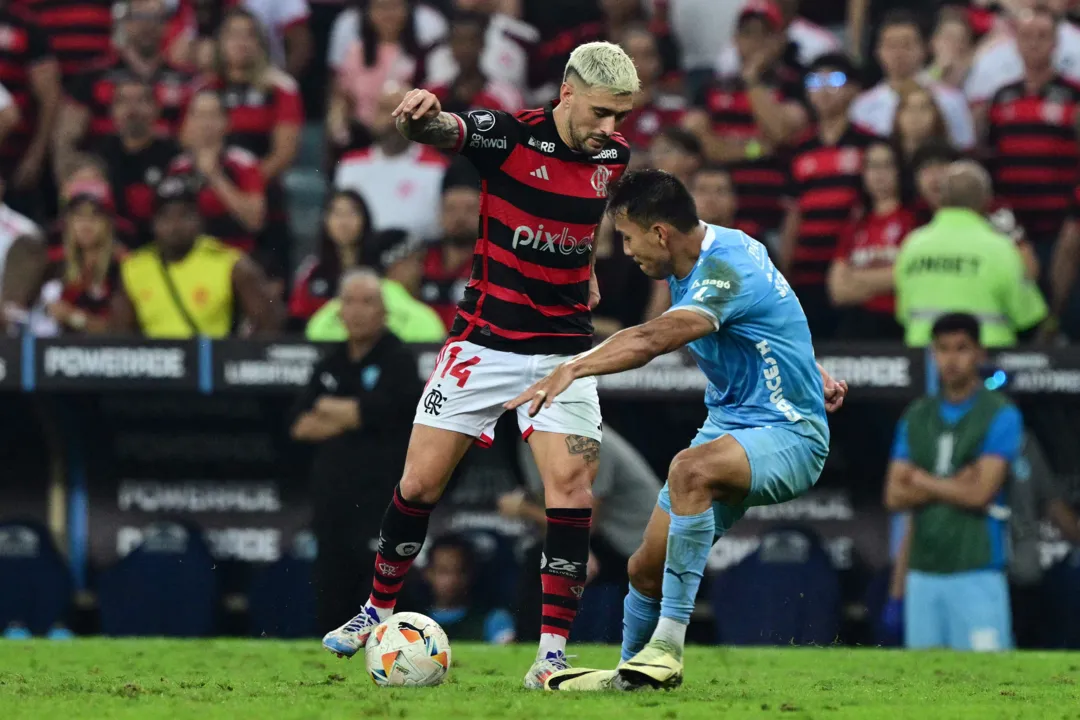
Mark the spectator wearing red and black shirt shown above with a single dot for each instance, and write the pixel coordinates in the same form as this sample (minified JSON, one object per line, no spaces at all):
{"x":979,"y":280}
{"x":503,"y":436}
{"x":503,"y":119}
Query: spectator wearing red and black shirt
{"x":31,"y":74}
{"x":1031,"y":137}
{"x":717,"y":200}
{"x":87,"y":116}
{"x":80,"y":31}
{"x":826,"y":183}
{"x":90,"y":270}
{"x":861,"y":275}
{"x":264,"y":105}
{"x":551,"y":55}
{"x":448,"y":263}
{"x":746,"y":121}
{"x":135,"y":157}
{"x":265,"y":118}
{"x":346,"y":225}
{"x":653,"y":109}
{"x":471,"y":89}
{"x":232,"y":191}
{"x":89,"y":177}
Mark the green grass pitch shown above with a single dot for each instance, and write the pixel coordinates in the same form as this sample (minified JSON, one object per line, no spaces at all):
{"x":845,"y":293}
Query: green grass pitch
{"x":264,"y":679}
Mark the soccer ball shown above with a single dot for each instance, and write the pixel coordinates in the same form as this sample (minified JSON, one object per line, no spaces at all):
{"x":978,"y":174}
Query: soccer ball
{"x":408,"y":650}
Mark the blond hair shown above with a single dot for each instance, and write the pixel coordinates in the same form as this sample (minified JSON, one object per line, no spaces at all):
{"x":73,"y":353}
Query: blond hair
{"x":74,"y":270}
{"x":603,"y":65}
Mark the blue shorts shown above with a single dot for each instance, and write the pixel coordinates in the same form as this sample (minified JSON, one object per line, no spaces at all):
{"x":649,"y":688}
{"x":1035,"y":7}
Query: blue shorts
{"x":783,"y":465}
{"x":962,"y":611}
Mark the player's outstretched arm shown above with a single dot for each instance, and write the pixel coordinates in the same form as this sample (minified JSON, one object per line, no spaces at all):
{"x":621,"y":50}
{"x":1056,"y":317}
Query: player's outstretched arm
{"x":625,"y":350}
{"x":420,"y":118}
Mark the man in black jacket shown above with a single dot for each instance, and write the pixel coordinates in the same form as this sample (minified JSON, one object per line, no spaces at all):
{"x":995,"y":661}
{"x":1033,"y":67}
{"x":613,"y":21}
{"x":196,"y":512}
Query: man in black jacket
{"x":358,"y":408}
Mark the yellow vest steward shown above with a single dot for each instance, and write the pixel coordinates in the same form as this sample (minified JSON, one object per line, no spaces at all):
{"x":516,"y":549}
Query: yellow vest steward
{"x":203,"y":281}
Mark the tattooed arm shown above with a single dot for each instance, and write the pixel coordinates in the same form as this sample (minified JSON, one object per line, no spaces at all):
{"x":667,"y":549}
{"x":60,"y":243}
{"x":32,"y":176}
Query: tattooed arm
{"x":420,"y":118}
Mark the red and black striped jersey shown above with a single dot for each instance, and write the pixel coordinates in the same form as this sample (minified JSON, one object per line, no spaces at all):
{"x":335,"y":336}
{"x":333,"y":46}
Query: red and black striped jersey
{"x":314,"y":285}
{"x":95,"y":298}
{"x":255,"y":111}
{"x":647,"y":119}
{"x":79,"y":31}
{"x":540,"y":205}
{"x":24,"y":46}
{"x":133,"y":179}
{"x":94,"y":90}
{"x":761,"y":182}
{"x":826,"y":185}
{"x":1034,"y":154}
{"x":242,"y":168}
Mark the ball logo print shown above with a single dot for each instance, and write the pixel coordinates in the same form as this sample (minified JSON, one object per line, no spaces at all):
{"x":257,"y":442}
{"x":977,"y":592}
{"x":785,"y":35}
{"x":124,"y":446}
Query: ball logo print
{"x":408,"y":650}
{"x":407,"y":549}
{"x":484,"y":120}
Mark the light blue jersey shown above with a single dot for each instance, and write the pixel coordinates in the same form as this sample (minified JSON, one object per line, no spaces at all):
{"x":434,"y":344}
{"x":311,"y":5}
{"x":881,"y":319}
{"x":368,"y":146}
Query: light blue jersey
{"x":760,"y":361}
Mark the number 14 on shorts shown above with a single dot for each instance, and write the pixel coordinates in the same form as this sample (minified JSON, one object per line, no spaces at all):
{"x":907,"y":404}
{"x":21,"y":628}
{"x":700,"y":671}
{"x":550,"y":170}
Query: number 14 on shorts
{"x":459,"y":370}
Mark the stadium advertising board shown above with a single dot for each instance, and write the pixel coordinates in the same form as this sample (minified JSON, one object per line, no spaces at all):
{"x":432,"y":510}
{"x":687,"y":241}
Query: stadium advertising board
{"x":263,"y":367}
{"x":103,"y":364}
{"x":219,"y":463}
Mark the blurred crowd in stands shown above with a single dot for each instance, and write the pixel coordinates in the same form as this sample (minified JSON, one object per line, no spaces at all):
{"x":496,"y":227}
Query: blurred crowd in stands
{"x":824,"y":129}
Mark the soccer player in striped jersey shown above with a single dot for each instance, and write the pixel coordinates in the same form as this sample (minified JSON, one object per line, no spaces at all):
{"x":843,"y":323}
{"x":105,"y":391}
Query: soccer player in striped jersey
{"x":545,"y":175}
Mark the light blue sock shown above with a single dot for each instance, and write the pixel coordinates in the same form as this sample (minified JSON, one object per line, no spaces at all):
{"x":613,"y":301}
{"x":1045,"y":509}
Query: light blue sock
{"x":639,"y":617}
{"x":689,"y":541}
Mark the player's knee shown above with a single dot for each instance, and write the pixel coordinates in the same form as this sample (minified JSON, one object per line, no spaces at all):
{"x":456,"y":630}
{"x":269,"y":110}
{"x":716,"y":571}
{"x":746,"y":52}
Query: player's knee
{"x":646,"y":577}
{"x":687,"y":475}
{"x":569,"y":489}
{"x":415,"y":487}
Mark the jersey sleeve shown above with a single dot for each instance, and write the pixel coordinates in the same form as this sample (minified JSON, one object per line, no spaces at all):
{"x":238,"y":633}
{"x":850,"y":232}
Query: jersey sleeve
{"x":289,"y":106}
{"x":1022,"y":300}
{"x":900,"y":451}
{"x":487,"y":138}
{"x":717,"y":291}
{"x":1005,"y":435}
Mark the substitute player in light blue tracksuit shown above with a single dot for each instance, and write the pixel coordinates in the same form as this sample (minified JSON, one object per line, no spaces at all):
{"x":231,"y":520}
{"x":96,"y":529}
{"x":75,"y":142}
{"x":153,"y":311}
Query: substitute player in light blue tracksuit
{"x":766,"y":437}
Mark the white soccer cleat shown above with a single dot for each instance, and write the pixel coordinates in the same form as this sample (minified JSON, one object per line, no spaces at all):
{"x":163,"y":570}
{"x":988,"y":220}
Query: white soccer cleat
{"x":351,"y":637}
{"x":542,"y":669}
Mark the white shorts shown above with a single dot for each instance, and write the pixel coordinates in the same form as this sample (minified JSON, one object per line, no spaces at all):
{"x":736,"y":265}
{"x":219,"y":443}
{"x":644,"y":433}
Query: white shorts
{"x":470,"y":383}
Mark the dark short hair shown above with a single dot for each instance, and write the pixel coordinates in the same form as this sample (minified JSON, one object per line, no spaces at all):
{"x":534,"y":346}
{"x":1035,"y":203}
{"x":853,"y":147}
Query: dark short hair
{"x":956,"y":323}
{"x":901,"y":17}
{"x":652,"y":196}
{"x":934,"y":151}
{"x":837,"y":61}
{"x":681,"y":138}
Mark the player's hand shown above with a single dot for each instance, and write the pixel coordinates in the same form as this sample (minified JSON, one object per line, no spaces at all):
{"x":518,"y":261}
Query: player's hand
{"x":835,"y":391}
{"x":544,"y":392}
{"x":594,"y":292}
{"x":418,"y":105}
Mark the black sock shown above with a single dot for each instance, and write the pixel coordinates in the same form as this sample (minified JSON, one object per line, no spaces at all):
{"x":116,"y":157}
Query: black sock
{"x":563,"y":567}
{"x":404,"y":528}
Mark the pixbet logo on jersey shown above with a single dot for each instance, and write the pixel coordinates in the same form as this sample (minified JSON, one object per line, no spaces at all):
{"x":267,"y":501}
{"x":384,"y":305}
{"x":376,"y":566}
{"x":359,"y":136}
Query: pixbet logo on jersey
{"x":543,"y":241}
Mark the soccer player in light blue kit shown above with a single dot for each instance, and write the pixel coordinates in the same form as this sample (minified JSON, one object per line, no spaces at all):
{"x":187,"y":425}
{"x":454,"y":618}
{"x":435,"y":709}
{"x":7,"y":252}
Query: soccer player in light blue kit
{"x":766,"y":437}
